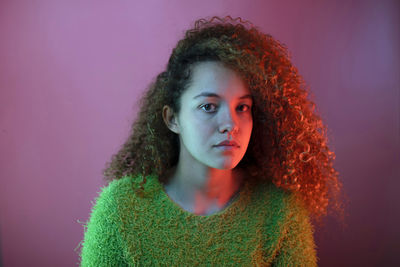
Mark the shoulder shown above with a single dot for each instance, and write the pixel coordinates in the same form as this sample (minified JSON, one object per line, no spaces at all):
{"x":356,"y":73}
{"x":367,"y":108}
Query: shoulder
{"x":268,"y":191}
{"x":106,"y":199}
{"x":280,"y":201}
{"x":116,"y":193}
{"x":127,"y":185}
{"x":122,"y":193}
{"x":293,"y":211}
{"x":115,"y":189}
{"x":287,"y":209}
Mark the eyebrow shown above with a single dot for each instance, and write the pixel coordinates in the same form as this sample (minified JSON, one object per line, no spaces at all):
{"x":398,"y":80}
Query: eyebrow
{"x":208,"y":94}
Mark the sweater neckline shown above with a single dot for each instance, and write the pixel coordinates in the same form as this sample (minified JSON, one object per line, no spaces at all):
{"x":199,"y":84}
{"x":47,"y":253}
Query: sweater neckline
{"x":228,"y":207}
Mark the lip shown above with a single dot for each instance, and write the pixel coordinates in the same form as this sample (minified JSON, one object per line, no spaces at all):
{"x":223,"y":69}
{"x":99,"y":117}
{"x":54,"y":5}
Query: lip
{"x":231,"y":143}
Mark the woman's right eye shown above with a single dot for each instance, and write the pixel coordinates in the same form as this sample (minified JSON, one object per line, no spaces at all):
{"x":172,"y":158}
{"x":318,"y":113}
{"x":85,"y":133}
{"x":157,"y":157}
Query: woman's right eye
{"x":207,"y":105}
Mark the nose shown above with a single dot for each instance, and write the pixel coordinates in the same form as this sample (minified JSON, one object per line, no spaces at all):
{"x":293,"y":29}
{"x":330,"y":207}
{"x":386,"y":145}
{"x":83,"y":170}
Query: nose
{"x":227,"y":122}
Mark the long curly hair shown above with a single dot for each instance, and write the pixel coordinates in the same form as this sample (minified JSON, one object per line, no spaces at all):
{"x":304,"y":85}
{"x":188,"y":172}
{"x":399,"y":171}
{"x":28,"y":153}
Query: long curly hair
{"x":288,"y":145}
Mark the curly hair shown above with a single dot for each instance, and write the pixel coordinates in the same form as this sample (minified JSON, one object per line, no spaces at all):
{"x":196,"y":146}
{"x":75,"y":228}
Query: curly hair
{"x":288,"y":144}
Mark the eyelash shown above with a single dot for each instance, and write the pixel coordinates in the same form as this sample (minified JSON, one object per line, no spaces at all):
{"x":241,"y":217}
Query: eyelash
{"x":248,"y":107}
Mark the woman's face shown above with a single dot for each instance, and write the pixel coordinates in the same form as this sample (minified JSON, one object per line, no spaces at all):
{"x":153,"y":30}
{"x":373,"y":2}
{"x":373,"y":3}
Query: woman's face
{"x":206,"y":120}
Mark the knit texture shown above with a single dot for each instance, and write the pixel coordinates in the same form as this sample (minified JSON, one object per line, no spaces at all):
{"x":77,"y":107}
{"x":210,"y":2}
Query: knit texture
{"x":261,"y":226}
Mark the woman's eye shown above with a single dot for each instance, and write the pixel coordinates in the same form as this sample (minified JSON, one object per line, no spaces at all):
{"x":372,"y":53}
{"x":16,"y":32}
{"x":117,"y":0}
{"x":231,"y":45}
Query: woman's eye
{"x":205,"y":105}
{"x":210,"y":104}
{"x":246,"y":106}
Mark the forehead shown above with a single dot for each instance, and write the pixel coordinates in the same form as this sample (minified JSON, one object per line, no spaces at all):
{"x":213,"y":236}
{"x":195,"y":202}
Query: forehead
{"x":214,"y":77}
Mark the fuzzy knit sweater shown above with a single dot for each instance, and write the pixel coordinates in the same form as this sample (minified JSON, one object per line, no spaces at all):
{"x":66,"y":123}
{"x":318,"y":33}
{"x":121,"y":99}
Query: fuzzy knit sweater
{"x":261,"y":226}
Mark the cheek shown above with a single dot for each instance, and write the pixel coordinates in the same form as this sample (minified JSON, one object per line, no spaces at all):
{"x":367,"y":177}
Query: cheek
{"x":247,"y":124}
{"x":199,"y":133}
{"x":192,"y":129}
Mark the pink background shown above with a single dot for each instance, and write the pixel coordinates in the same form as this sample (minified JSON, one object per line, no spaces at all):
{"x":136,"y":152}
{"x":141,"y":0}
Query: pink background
{"x":70,"y":72}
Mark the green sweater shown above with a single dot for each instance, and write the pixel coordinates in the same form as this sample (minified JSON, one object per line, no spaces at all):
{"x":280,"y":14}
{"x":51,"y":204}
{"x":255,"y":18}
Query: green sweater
{"x":262,"y":226}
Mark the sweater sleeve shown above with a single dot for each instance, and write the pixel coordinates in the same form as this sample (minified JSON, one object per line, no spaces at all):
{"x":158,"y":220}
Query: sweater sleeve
{"x":297,"y":246}
{"x":101,"y":245}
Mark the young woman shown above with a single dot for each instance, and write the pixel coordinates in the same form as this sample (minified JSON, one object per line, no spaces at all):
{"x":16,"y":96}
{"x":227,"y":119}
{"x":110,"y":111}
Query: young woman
{"x":226,"y":164}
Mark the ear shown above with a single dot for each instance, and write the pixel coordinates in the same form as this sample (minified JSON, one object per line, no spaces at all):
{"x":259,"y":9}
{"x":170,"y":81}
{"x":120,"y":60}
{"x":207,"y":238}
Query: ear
{"x":170,"y":119}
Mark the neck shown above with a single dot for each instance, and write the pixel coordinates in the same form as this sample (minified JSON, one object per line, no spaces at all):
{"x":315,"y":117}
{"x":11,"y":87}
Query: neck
{"x":213,"y":187}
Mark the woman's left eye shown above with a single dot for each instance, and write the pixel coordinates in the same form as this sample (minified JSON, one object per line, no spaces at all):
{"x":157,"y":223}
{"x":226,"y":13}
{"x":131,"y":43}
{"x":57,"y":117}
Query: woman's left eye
{"x":248,"y":107}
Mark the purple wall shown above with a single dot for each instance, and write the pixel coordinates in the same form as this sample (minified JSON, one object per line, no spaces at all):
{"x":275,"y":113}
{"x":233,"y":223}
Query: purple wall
{"x":71,"y":71}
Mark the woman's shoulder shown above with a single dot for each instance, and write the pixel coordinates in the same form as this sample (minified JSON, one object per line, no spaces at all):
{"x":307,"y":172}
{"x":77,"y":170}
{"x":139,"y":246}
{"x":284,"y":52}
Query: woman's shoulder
{"x":121,"y":194}
{"x":108,"y":193}
{"x":271,"y":195}
{"x":262,"y":188}
{"x":129,"y":182}
{"x":116,"y":187}
{"x":130,"y":187}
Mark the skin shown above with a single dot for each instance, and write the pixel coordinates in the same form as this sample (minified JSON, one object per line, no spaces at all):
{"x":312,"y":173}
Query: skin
{"x":205,"y":178}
